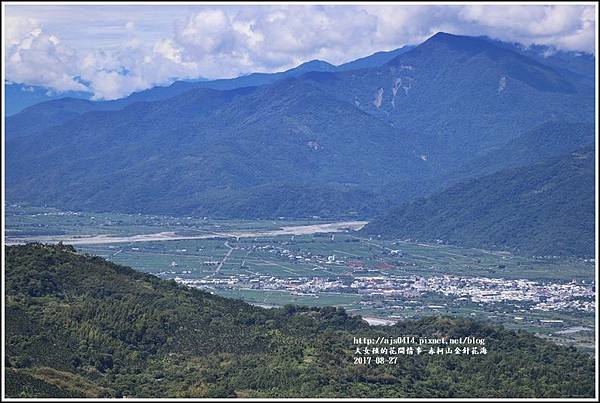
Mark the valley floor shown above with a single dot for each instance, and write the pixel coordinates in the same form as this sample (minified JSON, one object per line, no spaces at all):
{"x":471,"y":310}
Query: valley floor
{"x":317,"y":263}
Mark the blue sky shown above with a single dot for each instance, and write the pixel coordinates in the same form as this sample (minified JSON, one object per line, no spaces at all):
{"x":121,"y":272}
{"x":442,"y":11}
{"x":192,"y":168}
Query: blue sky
{"x":113,"y":50}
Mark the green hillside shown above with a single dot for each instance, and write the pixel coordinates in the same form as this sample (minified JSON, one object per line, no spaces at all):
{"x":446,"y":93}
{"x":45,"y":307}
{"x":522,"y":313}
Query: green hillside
{"x":81,"y":326}
{"x":543,"y":209}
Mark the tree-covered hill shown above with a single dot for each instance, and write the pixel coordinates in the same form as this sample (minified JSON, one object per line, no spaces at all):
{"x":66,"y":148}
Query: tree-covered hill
{"x":547,"y":208}
{"x":79,"y":326}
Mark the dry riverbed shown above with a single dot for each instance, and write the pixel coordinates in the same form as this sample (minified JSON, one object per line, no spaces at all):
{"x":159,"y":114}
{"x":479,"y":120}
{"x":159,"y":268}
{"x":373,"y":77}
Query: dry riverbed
{"x":173,"y":236}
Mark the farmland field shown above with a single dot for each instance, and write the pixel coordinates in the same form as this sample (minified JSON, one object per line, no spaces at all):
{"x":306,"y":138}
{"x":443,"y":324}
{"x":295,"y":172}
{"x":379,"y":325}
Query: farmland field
{"x":387,"y":279}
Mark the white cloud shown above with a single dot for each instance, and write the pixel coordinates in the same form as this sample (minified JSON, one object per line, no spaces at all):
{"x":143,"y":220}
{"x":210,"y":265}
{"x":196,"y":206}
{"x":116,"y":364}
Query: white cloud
{"x":562,"y":26}
{"x":273,"y":38}
{"x":167,"y":49}
{"x":206,"y":33}
{"x":113,"y":74}
{"x":37,"y":58}
{"x":115,"y":50}
{"x":17,"y":28}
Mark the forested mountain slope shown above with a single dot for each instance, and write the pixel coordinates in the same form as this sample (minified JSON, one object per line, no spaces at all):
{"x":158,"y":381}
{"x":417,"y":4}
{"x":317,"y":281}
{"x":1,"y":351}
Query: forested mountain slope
{"x":543,"y":209}
{"x":79,"y":326}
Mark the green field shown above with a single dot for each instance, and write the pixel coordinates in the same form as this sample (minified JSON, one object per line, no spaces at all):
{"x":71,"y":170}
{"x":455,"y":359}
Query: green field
{"x":265,"y":270}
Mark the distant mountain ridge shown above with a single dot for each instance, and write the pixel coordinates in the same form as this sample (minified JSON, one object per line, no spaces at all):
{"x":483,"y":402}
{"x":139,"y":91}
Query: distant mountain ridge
{"x":338,"y":142}
{"x":581,"y":63}
{"x":19,"y":96}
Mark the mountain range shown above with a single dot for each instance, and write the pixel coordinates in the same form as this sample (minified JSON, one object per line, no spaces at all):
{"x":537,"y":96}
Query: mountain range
{"x":64,"y":108}
{"x":21,"y":96}
{"x":318,"y":140}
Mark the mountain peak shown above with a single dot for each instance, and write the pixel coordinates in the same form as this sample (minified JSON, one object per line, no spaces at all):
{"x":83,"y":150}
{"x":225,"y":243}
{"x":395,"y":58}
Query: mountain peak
{"x":443,"y":44}
{"x":443,"y":35}
{"x":462,"y":42}
{"x":314,"y":65}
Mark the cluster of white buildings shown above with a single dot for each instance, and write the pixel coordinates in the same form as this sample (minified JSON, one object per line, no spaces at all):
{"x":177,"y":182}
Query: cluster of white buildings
{"x":569,"y":296}
{"x":546,"y":296}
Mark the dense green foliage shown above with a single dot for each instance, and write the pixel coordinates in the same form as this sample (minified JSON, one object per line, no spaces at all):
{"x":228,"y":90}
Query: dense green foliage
{"x":321,"y":134}
{"x":81,"y":326}
{"x":544,"y":209}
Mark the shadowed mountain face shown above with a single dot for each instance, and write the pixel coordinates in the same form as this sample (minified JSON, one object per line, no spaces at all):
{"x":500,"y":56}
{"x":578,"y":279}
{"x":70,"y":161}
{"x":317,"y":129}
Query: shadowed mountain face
{"x":542,"y":209}
{"x":195,"y":150}
{"x":340,"y":142}
{"x":464,"y":95}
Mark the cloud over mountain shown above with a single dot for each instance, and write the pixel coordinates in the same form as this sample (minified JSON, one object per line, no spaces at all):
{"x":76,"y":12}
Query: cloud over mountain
{"x":131,"y":48}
